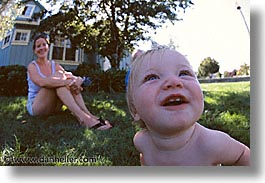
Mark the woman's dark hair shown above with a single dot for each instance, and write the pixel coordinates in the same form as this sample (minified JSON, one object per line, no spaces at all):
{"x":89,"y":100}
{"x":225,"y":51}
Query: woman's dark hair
{"x":38,"y":36}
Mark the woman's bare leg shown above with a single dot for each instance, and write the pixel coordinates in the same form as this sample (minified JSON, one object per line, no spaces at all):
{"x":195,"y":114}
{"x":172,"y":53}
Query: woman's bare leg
{"x":69,"y":100}
{"x":80,"y":101}
{"x":78,"y":97}
{"x":45,"y":102}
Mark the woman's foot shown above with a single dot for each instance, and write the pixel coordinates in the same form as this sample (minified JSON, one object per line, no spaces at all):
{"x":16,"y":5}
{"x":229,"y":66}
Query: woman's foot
{"x":94,"y":123}
{"x":101,"y":125}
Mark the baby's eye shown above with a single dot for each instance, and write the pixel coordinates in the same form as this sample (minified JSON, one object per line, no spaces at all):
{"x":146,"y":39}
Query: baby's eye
{"x":185,"y":73}
{"x":151,"y":77}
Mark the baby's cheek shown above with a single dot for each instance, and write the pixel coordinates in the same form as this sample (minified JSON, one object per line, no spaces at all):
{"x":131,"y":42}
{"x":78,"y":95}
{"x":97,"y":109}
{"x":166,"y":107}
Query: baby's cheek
{"x":198,"y":94}
{"x":201,"y":101}
{"x":138,"y":102}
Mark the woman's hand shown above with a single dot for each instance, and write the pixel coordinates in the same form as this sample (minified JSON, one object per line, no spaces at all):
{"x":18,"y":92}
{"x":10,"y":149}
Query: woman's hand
{"x":68,"y":75}
{"x":79,"y":81}
{"x":75,"y":85}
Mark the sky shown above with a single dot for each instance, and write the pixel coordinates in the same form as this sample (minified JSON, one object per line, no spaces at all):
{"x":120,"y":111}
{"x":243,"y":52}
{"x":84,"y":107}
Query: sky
{"x":210,"y":28}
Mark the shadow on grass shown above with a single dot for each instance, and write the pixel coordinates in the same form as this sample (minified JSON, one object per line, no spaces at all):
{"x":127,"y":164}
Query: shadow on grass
{"x":228,"y":112}
{"x":60,"y":140}
{"x":61,"y":136}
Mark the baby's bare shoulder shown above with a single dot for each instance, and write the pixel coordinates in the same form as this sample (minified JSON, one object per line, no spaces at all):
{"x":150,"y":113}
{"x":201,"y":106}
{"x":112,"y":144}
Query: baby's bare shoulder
{"x":141,"y":136}
{"x":220,"y":145}
{"x":141,"y":139}
{"x":213,"y":139}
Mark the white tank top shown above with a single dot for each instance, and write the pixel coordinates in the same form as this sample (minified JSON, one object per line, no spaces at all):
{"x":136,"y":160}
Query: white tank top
{"x":33,"y":89}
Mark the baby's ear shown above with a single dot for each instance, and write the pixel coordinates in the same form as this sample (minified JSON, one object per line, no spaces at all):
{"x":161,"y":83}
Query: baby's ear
{"x":134,"y":112}
{"x":136,"y":117}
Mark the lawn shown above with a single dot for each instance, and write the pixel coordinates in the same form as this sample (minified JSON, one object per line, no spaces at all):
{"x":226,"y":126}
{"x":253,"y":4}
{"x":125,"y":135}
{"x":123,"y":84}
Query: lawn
{"x":60,"y":140}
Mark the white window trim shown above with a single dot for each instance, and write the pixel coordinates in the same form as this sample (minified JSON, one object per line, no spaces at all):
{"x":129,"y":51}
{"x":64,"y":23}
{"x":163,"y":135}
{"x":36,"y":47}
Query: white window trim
{"x":21,"y":42}
{"x":32,"y":10}
{"x":4,"y":45}
{"x":28,"y":22}
{"x":64,"y":45}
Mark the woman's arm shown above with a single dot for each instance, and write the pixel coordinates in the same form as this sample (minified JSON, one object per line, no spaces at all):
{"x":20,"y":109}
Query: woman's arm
{"x":56,"y":80}
{"x":75,"y":85}
{"x":77,"y":79}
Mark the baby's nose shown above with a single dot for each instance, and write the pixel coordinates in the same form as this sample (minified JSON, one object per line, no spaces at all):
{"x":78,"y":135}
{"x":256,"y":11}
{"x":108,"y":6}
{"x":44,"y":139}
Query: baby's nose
{"x":172,"y":82}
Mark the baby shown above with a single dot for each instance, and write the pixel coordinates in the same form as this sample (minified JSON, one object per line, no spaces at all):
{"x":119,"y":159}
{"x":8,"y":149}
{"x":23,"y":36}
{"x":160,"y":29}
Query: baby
{"x":164,"y":95}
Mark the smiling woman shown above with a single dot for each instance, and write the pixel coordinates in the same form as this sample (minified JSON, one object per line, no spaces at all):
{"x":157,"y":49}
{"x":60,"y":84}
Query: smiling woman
{"x":50,"y":86}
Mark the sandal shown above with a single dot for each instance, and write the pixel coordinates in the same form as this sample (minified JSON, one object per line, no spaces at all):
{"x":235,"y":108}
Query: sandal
{"x":102,"y":122}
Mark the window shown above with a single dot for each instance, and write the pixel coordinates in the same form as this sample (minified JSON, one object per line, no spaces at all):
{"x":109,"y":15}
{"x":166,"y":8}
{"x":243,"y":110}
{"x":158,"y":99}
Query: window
{"x":6,"y":40}
{"x":21,"y":37}
{"x":28,"y":11}
{"x":62,"y":50}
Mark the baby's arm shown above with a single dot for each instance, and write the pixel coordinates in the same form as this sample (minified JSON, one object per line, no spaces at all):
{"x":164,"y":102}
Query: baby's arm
{"x":232,"y":152}
{"x":244,"y":158}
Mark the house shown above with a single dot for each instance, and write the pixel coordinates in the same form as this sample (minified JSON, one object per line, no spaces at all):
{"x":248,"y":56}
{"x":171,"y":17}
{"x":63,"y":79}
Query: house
{"x":16,"y":46}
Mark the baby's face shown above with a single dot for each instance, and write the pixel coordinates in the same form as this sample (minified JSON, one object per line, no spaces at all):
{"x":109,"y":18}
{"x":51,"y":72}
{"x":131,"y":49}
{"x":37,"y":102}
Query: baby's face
{"x":166,"y":93}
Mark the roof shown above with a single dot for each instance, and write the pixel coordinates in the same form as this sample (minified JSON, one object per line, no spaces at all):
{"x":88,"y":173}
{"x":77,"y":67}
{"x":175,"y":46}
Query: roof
{"x":36,"y":2}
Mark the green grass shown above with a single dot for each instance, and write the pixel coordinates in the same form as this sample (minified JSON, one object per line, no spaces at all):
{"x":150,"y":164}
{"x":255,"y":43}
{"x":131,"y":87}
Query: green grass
{"x":60,"y":140}
{"x":227,"y":108}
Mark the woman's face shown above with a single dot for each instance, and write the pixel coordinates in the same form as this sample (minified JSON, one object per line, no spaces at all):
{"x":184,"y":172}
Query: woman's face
{"x":41,"y":48}
{"x":166,"y":94}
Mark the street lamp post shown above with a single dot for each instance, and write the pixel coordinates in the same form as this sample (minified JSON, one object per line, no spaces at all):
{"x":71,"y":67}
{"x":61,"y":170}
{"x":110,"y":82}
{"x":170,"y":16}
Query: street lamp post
{"x":239,"y":8}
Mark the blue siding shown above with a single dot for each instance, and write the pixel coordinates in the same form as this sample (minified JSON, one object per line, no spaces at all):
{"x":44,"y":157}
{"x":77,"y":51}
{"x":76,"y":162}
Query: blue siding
{"x":16,"y":54}
{"x":21,"y":55}
{"x":4,"y":56}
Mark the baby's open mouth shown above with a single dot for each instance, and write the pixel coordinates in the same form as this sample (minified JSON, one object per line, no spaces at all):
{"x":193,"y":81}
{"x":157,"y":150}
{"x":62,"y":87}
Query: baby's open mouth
{"x":174,"y":100}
